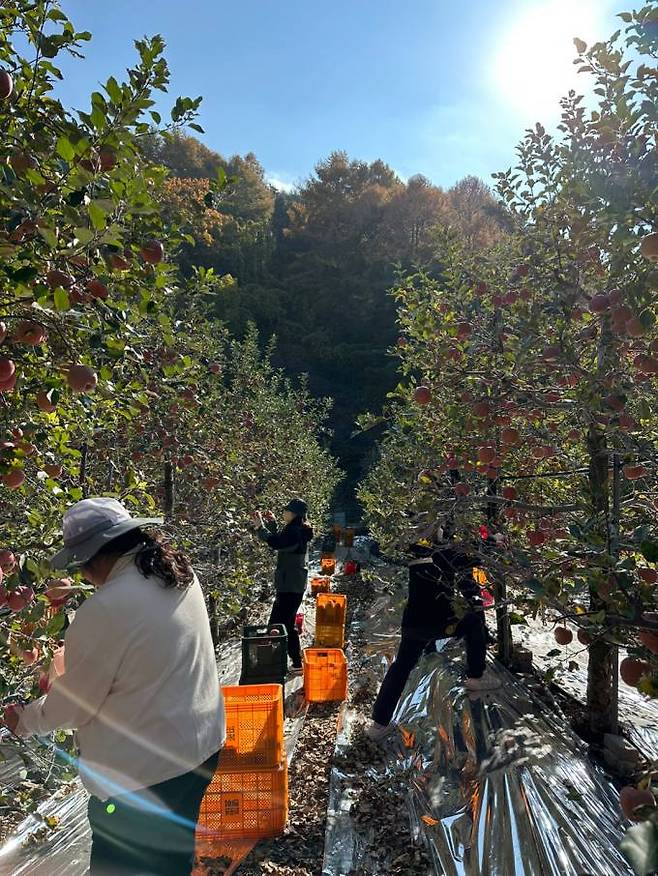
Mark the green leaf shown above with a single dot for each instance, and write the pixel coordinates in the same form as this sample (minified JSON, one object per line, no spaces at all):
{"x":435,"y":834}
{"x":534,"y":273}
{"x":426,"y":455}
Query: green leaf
{"x":113,"y":89}
{"x":198,"y":128}
{"x":580,"y":45}
{"x":61,"y":299}
{"x":625,"y":16}
{"x":84,"y":235}
{"x":56,"y":624}
{"x":649,"y":551}
{"x":516,"y":619}
{"x":97,"y":215}
{"x":65,"y":149}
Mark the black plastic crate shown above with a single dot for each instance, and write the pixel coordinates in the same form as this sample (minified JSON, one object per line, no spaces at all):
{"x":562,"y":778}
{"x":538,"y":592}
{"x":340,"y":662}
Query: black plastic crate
{"x":264,"y":655}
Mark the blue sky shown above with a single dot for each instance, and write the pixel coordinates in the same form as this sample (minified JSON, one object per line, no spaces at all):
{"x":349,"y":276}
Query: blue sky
{"x":440,"y":87}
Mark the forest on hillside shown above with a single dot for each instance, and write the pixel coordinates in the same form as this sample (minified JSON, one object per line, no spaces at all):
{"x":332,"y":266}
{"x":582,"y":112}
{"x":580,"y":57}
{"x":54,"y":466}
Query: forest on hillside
{"x":313,"y":267}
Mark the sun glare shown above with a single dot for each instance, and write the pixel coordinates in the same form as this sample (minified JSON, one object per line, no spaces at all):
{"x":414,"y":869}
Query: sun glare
{"x":533,"y":65}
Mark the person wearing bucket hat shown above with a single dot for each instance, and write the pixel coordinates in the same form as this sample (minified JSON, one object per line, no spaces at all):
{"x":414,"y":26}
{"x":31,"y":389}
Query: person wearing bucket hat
{"x":291,"y":544}
{"x":440,"y":575}
{"x":140,"y":689}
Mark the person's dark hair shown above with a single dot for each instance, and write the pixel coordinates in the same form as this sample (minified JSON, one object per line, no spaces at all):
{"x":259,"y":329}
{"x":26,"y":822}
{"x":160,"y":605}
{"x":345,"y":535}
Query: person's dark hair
{"x":155,"y":556}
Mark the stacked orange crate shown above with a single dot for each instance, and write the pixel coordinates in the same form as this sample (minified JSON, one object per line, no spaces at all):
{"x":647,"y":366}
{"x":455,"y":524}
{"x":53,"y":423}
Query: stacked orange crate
{"x":248,"y":796}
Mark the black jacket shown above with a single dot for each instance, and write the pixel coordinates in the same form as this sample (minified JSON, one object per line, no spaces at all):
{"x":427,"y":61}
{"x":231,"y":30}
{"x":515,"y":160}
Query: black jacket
{"x":291,"y":545}
{"x":434,"y":584}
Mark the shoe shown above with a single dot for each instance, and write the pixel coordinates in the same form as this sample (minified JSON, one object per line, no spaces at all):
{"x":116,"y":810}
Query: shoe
{"x":486,"y":682}
{"x":378,"y":732}
{"x":295,"y":671}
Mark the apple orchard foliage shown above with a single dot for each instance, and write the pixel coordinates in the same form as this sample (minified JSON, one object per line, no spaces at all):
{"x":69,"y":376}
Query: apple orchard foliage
{"x":529,"y":368}
{"x":109,"y":368}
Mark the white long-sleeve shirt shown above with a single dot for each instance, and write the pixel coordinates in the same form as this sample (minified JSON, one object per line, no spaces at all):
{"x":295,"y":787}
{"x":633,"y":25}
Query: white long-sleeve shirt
{"x":140,"y":686}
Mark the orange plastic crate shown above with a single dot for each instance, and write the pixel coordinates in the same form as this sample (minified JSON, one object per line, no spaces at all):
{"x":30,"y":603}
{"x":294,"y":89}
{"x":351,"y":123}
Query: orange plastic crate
{"x":254,"y":727}
{"x":325,"y":675}
{"x":246,"y":805}
{"x":330,"y":610}
{"x":328,"y":565}
{"x":320,"y":585}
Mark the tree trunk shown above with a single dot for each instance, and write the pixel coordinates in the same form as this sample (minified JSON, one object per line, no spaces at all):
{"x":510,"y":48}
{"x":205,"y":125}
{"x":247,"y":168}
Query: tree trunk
{"x":169,"y":490}
{"x":602,"y":667}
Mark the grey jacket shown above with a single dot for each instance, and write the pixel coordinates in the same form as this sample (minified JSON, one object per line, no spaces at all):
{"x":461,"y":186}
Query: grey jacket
{"x":291,"y":545}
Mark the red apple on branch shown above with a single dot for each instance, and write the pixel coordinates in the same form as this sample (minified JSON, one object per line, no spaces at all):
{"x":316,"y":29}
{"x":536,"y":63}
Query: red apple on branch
{"x":6,"y":84}
{"x":81,"y":378}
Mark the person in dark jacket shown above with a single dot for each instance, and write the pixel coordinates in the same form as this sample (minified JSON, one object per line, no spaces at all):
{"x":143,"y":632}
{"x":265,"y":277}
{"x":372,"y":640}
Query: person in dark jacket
{"x":291,"y":544}
{"x":440,"y":576}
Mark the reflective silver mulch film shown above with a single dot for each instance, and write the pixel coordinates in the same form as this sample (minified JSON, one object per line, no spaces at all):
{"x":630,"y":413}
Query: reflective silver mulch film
{"x":497,"y":784}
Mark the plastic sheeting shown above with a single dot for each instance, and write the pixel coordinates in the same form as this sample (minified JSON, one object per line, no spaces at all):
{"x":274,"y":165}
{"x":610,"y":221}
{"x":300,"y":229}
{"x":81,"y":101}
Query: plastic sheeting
{"x":497,"y":785}
{"x":36,"y":849}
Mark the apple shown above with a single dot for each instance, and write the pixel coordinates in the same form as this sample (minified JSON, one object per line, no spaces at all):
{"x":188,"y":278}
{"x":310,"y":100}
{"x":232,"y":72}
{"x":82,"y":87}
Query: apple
{"x":6,"y":85}
{"x":584,"y":637}
{"x":97,"y":289}
{"x":631,"y":799}
{"x":53,"y":470}
{"x":634,"y":328}
{"x":59,"y":593}
{"x":30,"y":333}
{"x":81,"y":378}
{"x":649,"y":246}
{"x":29,"y":657}
{"x":7,"y":561}
{"x":631,"y":670}
{"x":44,"y":402}
{"x":482,"y":409}
{"x":55,"y":278}
{"x":21,"y":161}
{"x":107,"y":158}
{"x":152,"y":252}
{"x":44,"y":683}
{"x":648,"y":575}
{"x":464,"y":330}
{"x":510,"y":493}
{"x":422,"y":395}
{"x":119,"y":262}
{"x":14,"y":479}
{"x":627,"y":423}
{"x":462,"y":490}
{"x":599,"y":303}
{"x":510,"y":436}
{"x":3,"y":595}
{"x":563,"y":636}
{"x":27,"y":228}
{"x":486,"y":455}
{"x":7,"y":369}
{"x":537,"y":537}
{"x":649,"y":639}
{"x":635,"y":472}
{"x":215,"y":367}
{"x":19,"y":598}
{"x":9,"y":384}
{"x":615,"y":402}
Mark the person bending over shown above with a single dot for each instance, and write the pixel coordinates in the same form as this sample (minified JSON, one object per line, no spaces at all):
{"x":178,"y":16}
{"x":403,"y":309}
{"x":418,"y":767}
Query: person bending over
{"x":438,"y":576}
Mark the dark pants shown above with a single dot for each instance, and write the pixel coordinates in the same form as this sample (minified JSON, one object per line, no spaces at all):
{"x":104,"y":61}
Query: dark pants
{"x":150,"y":832}
{"x":471,"y":628}
{"x":283,"y":612}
